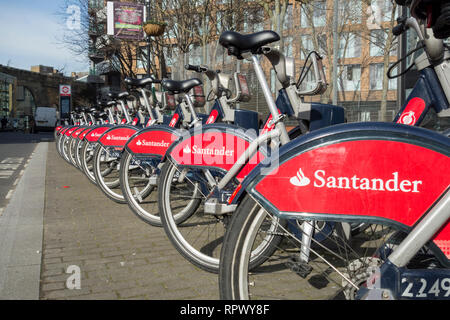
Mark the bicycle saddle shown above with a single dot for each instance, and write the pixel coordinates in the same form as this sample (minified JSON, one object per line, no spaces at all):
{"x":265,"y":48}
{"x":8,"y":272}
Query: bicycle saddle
{"x":103,"y":115}
{"x":140,"y":82}
{"x":114,"y":95}
{"x":180,"y":86}
{"x":238,"y":43}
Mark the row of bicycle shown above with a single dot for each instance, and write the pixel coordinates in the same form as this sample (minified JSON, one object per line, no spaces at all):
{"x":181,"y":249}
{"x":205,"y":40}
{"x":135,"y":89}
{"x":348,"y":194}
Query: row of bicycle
{"x":325,"y":210}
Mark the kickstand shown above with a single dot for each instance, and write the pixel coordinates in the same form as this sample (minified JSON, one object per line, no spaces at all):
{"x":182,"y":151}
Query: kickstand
{"x":302,"y":268}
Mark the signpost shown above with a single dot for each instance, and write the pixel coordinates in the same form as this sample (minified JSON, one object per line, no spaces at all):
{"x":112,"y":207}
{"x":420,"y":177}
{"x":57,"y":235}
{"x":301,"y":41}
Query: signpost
{"x":65,"y":102}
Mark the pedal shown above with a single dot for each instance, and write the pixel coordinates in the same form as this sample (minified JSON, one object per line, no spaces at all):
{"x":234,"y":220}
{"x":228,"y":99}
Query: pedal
{"x":153,"y":180}
{"x":137,"y":195}
{"x":303,"y":269}
{"x":214,"y":207}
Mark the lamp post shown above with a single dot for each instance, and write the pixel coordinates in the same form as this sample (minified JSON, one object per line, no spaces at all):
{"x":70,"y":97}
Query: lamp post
{"x":335,"y":50}
{"x":147,"y":7}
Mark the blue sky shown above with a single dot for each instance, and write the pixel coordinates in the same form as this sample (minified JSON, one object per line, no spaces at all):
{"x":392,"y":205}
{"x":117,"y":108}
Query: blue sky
{"x":29,"y":33}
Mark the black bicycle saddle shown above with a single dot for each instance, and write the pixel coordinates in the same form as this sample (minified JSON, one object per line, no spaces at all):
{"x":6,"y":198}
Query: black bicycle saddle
{"x":238,"y":43}
{"x":140,"y":82}
{"x":180,"y":86}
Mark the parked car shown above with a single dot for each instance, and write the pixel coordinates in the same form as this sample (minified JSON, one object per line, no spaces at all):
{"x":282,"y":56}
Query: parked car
{"x":45,"y":118}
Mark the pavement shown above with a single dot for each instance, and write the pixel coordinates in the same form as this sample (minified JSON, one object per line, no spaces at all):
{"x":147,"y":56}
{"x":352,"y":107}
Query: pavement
{"x":62,"y":238}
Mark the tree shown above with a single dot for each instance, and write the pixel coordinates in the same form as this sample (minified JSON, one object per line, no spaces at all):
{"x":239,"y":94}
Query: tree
{"x":317,"y":17}
{"x":381,"y":18}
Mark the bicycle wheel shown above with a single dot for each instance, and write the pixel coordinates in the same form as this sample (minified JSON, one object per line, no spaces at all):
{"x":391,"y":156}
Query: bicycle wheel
{"x":72,"y":152}
{"x":200,"y":238}
{"x":86,"y":160}
{"x":338,"y":268}
{"x":106,"y":172}
{"x":64,"y":145}
{"x":138,"y":189}
{"x":80,"y":144}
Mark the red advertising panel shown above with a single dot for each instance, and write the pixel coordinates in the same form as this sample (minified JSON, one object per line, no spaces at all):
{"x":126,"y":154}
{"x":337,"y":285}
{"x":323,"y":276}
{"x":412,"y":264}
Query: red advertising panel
{"x":386,"y":179}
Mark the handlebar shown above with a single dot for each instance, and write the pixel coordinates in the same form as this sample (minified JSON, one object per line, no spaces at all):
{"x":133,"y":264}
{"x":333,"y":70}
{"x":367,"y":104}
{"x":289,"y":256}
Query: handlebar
{"x":199,"y":69}
{"x":400,"y":27}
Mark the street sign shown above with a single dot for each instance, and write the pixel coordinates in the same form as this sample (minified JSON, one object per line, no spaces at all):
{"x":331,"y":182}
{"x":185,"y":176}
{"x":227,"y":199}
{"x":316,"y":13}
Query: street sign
{"x":65,"y":90}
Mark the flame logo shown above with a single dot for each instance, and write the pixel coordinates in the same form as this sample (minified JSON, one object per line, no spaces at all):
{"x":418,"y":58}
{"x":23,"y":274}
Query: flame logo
{"x":299,"y":179}
{"x":186,"y":149}
{"x":408,"y":118}
{"x":138,"y":143}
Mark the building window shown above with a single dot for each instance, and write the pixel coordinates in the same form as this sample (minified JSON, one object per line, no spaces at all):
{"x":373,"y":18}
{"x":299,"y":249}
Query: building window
{"x":350,"y":11}
{"x":376,"y":78}
{"x":219,"y":25}
{"x":316,"y":11}
{"x":141,"y":59}
{"x":349,"y":46}
{"x":380,"y":11}
{"x":377,"y":44}
{"x":350,"y":77}
{"x":254,"y":21}
{"x":195,"y":56}
{"x":306,"y":46}
{"x":288,"y":18}
{"x":288,"y":47}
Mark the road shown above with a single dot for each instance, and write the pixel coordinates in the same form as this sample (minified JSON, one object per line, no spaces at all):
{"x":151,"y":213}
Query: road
{"x":16,"y":149}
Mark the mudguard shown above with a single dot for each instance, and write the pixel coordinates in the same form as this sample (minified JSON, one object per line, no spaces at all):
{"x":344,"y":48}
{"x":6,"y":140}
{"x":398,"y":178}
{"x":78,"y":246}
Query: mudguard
{"x":215,"y":146}
{"x":69,"y":131}
{"x":84,"y":132}
{"x":153,"y":141}
{"x":117,"y":136}
{"x":96,"y":132}
{"x":77,"y":132}
{"x":63,"y":130}
{"x":370,"y":172}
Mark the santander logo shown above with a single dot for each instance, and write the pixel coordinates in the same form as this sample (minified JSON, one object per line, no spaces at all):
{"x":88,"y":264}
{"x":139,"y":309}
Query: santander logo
{"x":299,"y":179}
{"x":322,"y":180}
{"x":121,"y":138}
{"x":152,"y":143}
{"x":408,"y":118}
{"x":215,"y":152}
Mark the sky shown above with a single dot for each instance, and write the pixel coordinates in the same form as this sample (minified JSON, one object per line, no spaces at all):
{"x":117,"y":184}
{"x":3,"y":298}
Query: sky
{"x":29,"y":31}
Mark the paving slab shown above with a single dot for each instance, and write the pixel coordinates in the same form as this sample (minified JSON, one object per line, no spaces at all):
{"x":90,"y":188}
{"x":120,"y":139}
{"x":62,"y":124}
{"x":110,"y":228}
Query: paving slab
{"x":21,"y":227}
{"x":119,"y":256}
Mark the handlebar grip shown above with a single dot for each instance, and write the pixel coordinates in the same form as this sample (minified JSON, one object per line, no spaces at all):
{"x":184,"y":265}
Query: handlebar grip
{"x":398,"y":29}
{"x":403,"y":2}
{"x":193,"y":68}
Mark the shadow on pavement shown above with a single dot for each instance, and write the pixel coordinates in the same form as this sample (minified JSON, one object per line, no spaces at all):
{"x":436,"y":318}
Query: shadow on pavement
{"x":11,"y":137}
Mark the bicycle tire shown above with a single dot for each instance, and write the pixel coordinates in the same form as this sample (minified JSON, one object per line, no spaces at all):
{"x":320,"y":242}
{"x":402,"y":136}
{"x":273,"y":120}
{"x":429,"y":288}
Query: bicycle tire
{"x":150,"y":216}
{"x":106,"y":186}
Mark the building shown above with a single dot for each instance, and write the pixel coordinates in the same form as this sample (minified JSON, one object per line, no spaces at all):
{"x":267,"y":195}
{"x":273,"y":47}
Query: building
{"x":21,"y":91}
{"x":45,"y":70}
{"x":7,"y":94}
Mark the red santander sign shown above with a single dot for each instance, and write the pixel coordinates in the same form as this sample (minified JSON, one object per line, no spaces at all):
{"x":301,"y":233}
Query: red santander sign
{"x":65,"y":90}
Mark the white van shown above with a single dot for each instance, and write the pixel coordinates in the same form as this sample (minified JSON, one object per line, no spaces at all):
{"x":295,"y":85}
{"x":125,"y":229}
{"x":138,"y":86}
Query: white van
{"x":45,"y":118}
